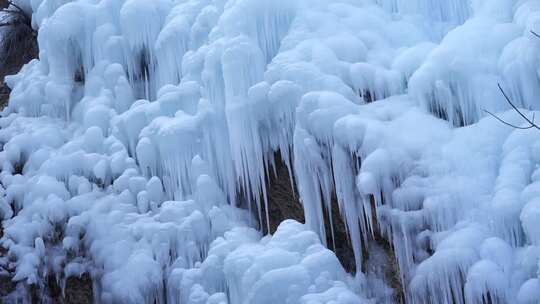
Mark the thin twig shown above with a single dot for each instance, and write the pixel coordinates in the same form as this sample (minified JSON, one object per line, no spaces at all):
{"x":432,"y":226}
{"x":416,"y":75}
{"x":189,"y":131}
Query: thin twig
{"x":15,"y":9}
{"x":532,"y":124}
{"x":8,"y":24}
{"x":18,"y":10}
{"x":516,"y":109}
{"x":507,"y":123}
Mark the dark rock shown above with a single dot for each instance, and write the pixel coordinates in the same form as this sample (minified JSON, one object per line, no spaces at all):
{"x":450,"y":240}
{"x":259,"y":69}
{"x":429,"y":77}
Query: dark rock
{"x":4,"y":4}
{"x":283,"y":200}
{"x":284,"y":203}
{"x":79,"y":290}
{"x":4,"y":95}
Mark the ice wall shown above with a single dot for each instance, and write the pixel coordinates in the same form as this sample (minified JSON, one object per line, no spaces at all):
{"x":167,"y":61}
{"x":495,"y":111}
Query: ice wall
{"x":129,"y":147}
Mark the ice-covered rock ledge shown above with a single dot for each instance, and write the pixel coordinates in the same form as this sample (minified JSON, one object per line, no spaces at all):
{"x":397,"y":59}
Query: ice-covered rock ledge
{"x":130,"y":147}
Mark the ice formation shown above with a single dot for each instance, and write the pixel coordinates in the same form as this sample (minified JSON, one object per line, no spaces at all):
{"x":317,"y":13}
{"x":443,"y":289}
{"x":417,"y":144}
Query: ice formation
{"x":138,"y":147}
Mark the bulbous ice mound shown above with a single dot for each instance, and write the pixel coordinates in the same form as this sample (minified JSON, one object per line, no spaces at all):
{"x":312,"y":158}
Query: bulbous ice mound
{"x":137,"y":150}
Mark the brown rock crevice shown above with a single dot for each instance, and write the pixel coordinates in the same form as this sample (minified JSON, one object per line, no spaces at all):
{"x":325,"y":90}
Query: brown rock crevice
{"x":284,"y":203}
{"x":390,"y":268}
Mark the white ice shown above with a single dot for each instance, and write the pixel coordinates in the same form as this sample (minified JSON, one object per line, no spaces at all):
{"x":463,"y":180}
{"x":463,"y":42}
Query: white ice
{"x":130,"y":147}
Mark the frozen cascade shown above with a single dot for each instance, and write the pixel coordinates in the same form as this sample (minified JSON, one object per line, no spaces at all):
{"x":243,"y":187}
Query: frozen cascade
{"x":437,"y":16}
{"x":138,"y":149}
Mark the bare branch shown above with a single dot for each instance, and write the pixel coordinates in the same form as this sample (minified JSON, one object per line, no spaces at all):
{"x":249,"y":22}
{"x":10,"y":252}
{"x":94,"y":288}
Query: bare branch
{"x":507,"y":123}
{"x":8,"y":24}
{"x":531,"y":122}
{"x":16,"y":15}
{"x":13,"y":8}
{"x":17,"y":10}
{"x":11,"y":3}
{"x":509,"y":101}
{"x":534,"y":33}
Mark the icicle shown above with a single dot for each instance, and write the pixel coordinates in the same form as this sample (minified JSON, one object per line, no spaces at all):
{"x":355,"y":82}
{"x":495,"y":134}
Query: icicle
{"x":349,"y":200}
{"x":267,"y":23}
{"x":174,"y":40}
{"x":439,"y":16}
{"x":141,"y":22}
{"x":506,"y":206}
{"x":373,"y":83}
{"x":313,"y":143}
{"x":176,"y":140}
{"x":243,"y":67}
{"x":529,"y":292}
{"x":486,"y":282}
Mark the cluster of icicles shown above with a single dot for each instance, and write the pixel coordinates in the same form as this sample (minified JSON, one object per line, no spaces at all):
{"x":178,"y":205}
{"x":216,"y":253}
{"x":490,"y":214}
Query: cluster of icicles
{"x":130,"y":145}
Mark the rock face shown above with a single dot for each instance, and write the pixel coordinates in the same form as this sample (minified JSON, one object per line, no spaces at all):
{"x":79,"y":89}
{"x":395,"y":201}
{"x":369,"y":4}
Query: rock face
{"x":380,"y":262}
{"x":79,"y":290}
{"x":4,"y":95}
{"x":284,"y":203}
{"x":18,"y":45}
{"x":283,"y":200}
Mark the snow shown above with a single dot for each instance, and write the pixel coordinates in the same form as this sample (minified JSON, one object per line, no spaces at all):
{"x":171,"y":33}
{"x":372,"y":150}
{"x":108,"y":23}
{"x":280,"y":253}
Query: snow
{"x":133,"y":146}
